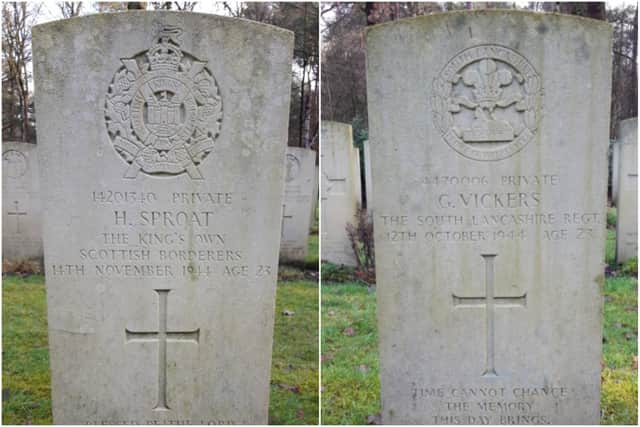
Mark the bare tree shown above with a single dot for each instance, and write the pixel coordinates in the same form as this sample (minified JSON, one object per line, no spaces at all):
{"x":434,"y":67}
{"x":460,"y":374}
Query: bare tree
{"x":69,"y":9}
{"x":179,"y":5}
{"x":17,"y":20}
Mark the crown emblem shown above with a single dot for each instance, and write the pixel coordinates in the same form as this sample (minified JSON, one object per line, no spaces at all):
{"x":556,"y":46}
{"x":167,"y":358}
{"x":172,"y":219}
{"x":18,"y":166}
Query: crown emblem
{"x":166,"y":55}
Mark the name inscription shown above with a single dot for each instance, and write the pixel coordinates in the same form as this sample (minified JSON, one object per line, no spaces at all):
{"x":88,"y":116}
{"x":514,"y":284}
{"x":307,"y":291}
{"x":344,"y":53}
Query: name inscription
{"x":180,"y":238}
{"x":516,"y":210}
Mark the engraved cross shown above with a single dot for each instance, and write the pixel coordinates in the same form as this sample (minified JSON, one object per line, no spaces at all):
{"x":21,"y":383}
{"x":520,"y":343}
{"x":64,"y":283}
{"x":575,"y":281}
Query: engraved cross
{"x":490,"y":302}
{"x":17,"y":214}
{"x":162,"y":336}
{"x":284,"y":216}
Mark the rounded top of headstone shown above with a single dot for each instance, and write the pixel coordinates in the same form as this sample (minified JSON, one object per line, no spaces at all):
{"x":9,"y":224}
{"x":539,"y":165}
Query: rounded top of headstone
{"x":155,"y":14}
{"x":460,"y":16}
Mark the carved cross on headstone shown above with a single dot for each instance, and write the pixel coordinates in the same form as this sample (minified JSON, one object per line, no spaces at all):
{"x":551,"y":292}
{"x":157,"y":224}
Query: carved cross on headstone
{"x":490,"y":302}
{"x":284,"y":216}
{"x":332,"y":183}
{"x":17,"y":214}
{"x":161,"y":336}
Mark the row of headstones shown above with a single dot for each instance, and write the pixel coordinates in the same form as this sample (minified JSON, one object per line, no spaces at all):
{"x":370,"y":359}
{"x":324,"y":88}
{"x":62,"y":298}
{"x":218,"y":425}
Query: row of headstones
{"x":342,"y":185}
{"x":489,"y":178}
{"x":22,"y":207}
{"x":624,"y":185}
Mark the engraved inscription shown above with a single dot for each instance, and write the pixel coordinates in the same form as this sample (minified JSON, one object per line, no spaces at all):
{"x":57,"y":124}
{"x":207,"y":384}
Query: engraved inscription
{"x":489,"y":302}
{"x":491,"y":405}
{"x":163,"y":110}
{"x":161,"y":336}
{"x":487,"y":102}
{"x":14,"y":163}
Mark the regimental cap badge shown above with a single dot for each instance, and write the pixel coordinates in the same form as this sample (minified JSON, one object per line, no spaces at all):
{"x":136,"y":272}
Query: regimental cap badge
{"x":487,"y":102}
{"x":163,"y":110}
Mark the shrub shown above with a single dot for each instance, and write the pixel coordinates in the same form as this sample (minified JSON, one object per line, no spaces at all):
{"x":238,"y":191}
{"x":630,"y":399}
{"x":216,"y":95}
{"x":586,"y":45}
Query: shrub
{"x":361,"y":238}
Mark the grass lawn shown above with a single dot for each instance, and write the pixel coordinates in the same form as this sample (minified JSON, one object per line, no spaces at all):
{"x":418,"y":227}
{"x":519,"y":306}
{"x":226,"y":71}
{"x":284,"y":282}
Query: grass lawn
{"x":350,"y":385}
{"x":25,"y":375}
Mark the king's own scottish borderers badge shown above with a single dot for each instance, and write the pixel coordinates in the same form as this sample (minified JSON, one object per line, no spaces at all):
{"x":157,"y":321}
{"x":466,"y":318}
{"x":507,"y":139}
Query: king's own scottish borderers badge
{"x":487,"y":102}
{"x":163,"y":110}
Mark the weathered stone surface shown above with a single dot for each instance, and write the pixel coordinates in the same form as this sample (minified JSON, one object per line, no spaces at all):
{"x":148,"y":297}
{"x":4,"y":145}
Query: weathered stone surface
{"x":490,"y":182}
{"x":21,"y":207}
{"x":627,"y":225}
{"x":298,"y":192}
{"x":338,"y":192}
{"x":162,"y":138}
{"x":368,"y":178}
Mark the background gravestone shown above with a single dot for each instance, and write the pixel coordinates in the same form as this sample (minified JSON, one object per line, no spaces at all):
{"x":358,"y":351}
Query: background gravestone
{"x":357,"y":176}
{"x":21,"y":206}
{"x":162,"y":136}
{"x":615,"y":170}
{"x":298,"y":192}
{"x":490,"y":177}
{"x":314,"y":199}
{"x":338,"y":192}
{"x":627,"y":223}
{"x":367,"y":175}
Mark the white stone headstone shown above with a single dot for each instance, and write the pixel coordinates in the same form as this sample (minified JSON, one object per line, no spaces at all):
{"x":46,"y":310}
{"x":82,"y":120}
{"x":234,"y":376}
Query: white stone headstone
{"x":21,"y":206}
{"x":338,"y":192}
{"x":300,"y":176}
{"x":627,"y":224}
{"x":162,"y":138}
{"x":490,"y":181}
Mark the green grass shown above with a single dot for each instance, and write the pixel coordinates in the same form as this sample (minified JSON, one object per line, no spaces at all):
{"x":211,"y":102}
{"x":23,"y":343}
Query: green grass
{"x":610,"y":248}
{"x":25,"y":376}
{"x":312,"y":258}
{"x":350,"y":396}
{"x":350,"y":381}
{"x":25,"y":355}
{"x":294,"y":368}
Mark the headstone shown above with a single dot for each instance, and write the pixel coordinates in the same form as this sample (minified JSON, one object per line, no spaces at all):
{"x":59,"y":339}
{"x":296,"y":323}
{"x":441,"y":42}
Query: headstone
{"x":314,"y":199}
{"x":627,"y":224}
{"x":615,"y":169}
{"x":298,"y":193}
{"x":490,"y":178}
{"x":357,"y":179}
{"x":163,"y":136}
{"x":21,"y":207}
{"x":338,"y":192}
{"x":367,"y":175}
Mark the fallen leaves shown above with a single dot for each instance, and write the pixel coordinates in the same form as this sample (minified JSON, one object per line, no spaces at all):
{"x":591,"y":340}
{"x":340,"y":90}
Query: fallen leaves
{"x":289,"y":387}
{"x":349,"y":332}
